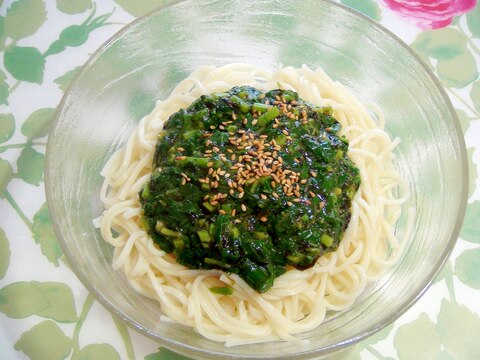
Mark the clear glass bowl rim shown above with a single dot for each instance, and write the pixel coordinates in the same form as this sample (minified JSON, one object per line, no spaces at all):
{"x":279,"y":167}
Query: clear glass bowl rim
{"x":186,"y":348}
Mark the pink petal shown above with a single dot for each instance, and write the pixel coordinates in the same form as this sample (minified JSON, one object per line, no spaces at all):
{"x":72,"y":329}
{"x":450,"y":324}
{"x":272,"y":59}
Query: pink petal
{"x":430,"y":14}
{"x":464,"y":6}
{"x":435,"y":24}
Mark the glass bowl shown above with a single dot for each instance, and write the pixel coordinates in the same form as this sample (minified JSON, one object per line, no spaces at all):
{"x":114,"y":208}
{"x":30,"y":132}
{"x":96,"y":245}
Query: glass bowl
{"x":145,"y":60}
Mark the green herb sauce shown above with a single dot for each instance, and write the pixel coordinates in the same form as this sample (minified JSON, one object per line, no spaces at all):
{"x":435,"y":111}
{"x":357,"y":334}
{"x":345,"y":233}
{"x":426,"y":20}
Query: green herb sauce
{"x":250,"y":182}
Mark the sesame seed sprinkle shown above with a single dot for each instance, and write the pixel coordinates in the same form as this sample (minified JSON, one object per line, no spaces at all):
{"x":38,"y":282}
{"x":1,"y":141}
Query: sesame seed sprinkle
{"x":238,"y":164}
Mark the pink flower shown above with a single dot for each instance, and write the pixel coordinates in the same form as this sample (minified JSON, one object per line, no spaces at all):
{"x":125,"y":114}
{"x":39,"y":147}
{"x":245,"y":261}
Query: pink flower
{"x":430,"y":14}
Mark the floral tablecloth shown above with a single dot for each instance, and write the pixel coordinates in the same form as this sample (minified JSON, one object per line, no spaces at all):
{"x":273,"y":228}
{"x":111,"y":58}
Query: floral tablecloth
{"x":46,"y":313}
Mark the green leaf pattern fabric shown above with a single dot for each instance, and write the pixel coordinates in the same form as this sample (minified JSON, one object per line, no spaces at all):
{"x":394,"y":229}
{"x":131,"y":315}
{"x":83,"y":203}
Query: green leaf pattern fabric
{"x":44,"y":235}
{"x":44,"y":341}
{"x":30,"y":165}
{"x":45,"y":312}
{"x":25,"y":63}
{"x":7,"y":127}
{"x":4,"y":253}
{"x":74,"y":6}
{"x":3,"y":89}
{"x":97,"y":352}
{"x":23,"y":18}
{"x":366,"y":7}
{"x":37,"y":125}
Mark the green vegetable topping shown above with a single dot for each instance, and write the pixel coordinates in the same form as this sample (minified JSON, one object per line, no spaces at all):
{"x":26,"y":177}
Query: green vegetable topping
{"x":226,"y":290}
{"x":249,"y":182}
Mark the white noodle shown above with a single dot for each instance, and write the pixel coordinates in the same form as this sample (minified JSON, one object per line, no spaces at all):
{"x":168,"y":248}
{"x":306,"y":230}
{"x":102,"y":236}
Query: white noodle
{"x":299,"y":300}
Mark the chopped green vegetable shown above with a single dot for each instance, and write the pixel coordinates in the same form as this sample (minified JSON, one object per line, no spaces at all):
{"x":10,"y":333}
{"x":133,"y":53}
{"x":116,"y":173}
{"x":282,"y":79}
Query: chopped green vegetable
{"x":143,"y":223}
{"x":225,"y":290}
{"x":179,"y":244}
{"x":249,"y":182}
{"x":261,"y":235}
{"x":168,"y":232}
{"x":271,"y":114}
{"x":208,"y":206}
{"x":260,"y":107}
{"x":243,"y":106}
{"x":187,"y":160}
{"x":326,"y":240}
{"x":204,"y":236}
{"x":145,"y":192}
{"x":216,"y":262}
{"x":189,"y":134}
